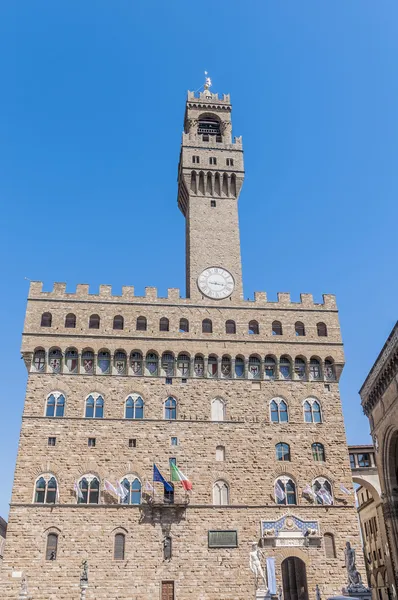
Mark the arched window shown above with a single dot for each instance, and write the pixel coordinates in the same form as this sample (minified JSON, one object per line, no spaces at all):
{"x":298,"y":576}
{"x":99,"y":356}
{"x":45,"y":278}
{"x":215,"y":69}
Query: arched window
{"x":230,"y":326}
{"x":164,"y":324}
{"x":254,"y":328}
{"x":55,"y":405}
{"x":318,"y":452}
{"x":151,"y":363}
{"x":55,"y":360}
{"x":46,"y":489}
{"x":220,"y":453}
{"x":209,"y":125}
{"x":330,"y":374}
{"x":254,"y":371}
{"x":207,"y":326}
{"x":212,"y":366}
{"x":299,"y":328}
{"x":312,"y":411}
{"x":88,"y":361}
{"x":136,"y":363}
{"x":217,"y":409}
{"x":104,"y":362}
{"x":299,"y":368}
{"x":94,"y":407}
{"x":199,"y":365}
{"x":279,"y":412}
{"x":118,"y":322}
{"x":168,"y":495}
{"x":269,"y":367}
{"x":132,"y":485}
{"x":194,"y":186}
{"x":239,"y":367}
{"x":183,"y":363}
{"x":322,"y":490}
{"x":285,"y":491}
{"x":72,"y":360}
{"x":167,"y":364}
{"x":89,"y":487}
{"x":282,"y":451}
{"x":226,"y":367}
{"x":285,"y":368}
{"x":315,"y":369}
{"x":329,"y":545}
{"x":70,"y":321}
{"x":277,"y":328}
{"x":184,"y":326}
{"x":170,"y":409}
{"x":141,"y":324}
{"x":220,"y":493}
{"x":322,"y":330}
{"x":51,"y":546}
{"x":120,"y":362}
{"x":46,"y":319}
{"x":134,"y":407}
{"x":94,"y":322}
{"x":120,"y":543}
{"x":39,"y":359}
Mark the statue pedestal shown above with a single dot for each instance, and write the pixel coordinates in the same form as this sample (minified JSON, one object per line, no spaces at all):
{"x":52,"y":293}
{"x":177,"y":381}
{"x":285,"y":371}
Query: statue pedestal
{"x":359,"y":591}
{"x":262,"y":593}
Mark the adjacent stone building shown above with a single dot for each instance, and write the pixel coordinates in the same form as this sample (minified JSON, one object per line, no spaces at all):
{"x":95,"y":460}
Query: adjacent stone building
{"x":3,"y":534}
{"x":243,"y":396}
{"x":379,"y":395}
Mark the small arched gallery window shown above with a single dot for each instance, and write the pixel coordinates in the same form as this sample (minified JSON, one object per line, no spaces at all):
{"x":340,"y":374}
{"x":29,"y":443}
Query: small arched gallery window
{"x":269,"y":367}
{"x":89,"y":487}
{"x":134,"y":407}
{"x":94,"y":407}
{"x":132,"y":486}
{"x":277,"y":328}
{"x":167,"y":364}
{"x":318,"y":452}
{"x":239,"y":367}
{"x":52,"y":546}
{"x":104,"y":362}
{"x":55,"y":405}
{"x":119,"y":546}
{"x":220,"y":453}
{"x":212,"y":366}
{"x":299,"y":328}
{"x":170,"y":409}
{"x":312,"y":411}
{"x":151,"y":364}
{"x":184,"y":326}
{"x":136,"y":363}
{"x":315,"y":369}
{"x":279,"y":412}
{"x":285,"y":368}
{"x":164,"y":324}
{"x":120,"y":362}
{"x":299,"y":368}
{"x":230,"y":326}
{"x":330,"y":374}
{"x":199,"y":365}
{"x":39,"y":359}
{"x":217,"y":409}
{"x":72,"y":360}
{"x":285,"y":491}
{"x":94,"y":322}
{"x":183,"y":362}
{"x":220,"y":493}
{"x":55,"y":360}
{"x":329,"y":545}
{"x":322,"y":491}
{"x":118,"y":322}
{"x":46,"y":319}
{"x":282,"y":451}
{"x":141,"y":324}
{"x":88,"y":361}
{"x":225,"y":367}
{"x":207,"y":326}
{"x":321,"y":329}
{"x":254,"y":371}
{"x":254,"y":328}
{"x":70,"y":321}
{"x":46,"y":489}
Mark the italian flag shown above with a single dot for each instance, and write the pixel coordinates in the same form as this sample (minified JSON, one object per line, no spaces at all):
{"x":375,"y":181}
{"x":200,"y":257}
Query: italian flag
{"x":177,"y":475}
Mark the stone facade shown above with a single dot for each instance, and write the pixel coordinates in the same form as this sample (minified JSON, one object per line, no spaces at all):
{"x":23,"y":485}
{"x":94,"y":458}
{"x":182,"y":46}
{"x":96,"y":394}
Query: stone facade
{"x":242,"y":366}
{"x":379,"y":395}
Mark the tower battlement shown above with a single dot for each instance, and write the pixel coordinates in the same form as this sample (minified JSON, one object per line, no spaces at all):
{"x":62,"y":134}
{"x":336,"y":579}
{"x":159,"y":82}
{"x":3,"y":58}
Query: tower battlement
{"x":209,"y":97}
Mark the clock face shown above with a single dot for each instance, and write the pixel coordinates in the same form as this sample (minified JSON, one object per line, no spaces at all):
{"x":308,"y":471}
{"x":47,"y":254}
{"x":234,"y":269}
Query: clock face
{"x":215,"y":282}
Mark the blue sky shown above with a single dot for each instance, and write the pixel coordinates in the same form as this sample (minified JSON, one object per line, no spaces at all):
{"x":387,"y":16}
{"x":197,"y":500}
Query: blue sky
{"x":91,"y":114}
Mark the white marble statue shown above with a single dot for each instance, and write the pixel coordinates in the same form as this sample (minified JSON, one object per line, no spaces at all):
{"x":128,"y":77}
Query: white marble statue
{"x":255,"y":566}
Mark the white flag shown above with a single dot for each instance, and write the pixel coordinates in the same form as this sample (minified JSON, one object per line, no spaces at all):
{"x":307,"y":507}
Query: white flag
{"x":78,"y":491}
{"x":121,"y":491}
{"x":109,"y":487}
{"x":279,"y":493}
{"x":309,"y":491}
{"x":344,"y":490}
{"x":149,"y":487}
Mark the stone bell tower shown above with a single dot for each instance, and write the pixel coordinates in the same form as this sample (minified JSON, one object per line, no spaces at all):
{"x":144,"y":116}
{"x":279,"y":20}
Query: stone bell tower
{"x":210,"y":177}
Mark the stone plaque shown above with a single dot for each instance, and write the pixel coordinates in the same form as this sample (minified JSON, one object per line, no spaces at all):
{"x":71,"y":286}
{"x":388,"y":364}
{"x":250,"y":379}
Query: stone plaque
{"x":223,"y":539}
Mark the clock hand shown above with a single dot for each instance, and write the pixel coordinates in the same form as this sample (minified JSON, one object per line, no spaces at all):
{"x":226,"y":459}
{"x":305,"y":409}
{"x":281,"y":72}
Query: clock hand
{"x":215,"y":283}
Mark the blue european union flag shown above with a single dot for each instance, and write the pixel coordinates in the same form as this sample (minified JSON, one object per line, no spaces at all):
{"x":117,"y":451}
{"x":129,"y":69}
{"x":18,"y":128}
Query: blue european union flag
{"x":157,"y":476}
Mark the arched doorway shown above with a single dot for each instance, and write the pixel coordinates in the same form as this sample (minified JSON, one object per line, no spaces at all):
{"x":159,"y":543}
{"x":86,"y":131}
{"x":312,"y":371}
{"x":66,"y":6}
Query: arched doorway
{"x":294,"y":579}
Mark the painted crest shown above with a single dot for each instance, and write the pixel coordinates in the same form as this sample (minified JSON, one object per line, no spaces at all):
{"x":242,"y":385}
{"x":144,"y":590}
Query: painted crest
{"x":152,"y":367}
{"x":71,"y":363}
{"x":55,"y":364}
{"x":103,"y":364}
{"x":88,"y":365}
{"x":136,"y":367}
{"x":39,"y":363}
{"x":199,"y":369}
{"x":239,"y":369}
{"x":120,"y":366}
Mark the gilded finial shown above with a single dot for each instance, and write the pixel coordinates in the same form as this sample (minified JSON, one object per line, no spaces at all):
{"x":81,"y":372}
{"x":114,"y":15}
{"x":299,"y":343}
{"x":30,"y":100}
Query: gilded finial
{"x":207,"y":84}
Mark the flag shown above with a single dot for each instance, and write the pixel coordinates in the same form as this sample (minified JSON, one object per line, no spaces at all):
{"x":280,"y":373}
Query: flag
{"x":177,"y":475}
{"x":78,"y":491}
{"x":157,"y":476}
{"x":344,"y":490}
{"x":271,"y":577}
{"x":309,"y":491}
{"x":121,"y":491}
{"x":149,"y":487}
{"x":110,"y":488}
{"x":325,"y":496}
{"x":57,"y":494}
{"x":279,"y":493}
